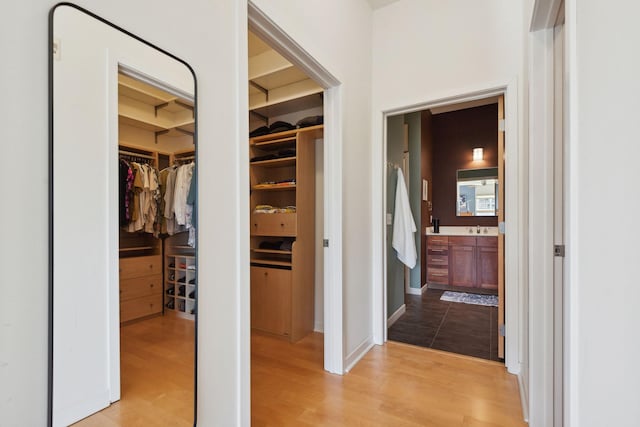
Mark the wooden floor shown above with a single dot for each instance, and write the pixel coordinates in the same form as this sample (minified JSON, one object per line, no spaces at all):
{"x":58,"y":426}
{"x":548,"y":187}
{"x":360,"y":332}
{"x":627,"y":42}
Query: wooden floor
{"x":156,"y":358}
{"x":393,"y":385}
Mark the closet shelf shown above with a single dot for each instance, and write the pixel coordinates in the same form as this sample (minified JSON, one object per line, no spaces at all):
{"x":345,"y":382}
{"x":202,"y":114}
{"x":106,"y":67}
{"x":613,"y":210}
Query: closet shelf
{"x":136,"y":248}
{"x":271,"y":251}
{"x":271,"y":262}
{"x":275,"y":188}
{"x":276,"y":163}
{"x":289,"y":141}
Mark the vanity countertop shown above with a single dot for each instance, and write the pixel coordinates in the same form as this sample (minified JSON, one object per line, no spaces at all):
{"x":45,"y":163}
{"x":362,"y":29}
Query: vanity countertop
{"x":463,"y":231}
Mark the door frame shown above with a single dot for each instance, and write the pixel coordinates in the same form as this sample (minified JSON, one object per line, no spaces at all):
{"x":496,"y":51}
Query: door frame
{"x":549,"y":353}
{"x":515,"y":194}
{"x":281,"y":42}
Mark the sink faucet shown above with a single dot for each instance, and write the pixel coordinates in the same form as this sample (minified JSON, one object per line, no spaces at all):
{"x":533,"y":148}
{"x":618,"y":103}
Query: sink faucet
{"x":477,"y":229}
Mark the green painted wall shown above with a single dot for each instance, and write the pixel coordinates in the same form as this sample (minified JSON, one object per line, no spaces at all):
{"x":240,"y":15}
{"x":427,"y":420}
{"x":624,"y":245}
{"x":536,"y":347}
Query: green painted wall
{"x":395,"y":269}
{"x":415,"y":186}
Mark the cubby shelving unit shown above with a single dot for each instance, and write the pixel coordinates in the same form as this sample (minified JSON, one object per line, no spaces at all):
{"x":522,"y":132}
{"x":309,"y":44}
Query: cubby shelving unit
{"x":282,"y":244}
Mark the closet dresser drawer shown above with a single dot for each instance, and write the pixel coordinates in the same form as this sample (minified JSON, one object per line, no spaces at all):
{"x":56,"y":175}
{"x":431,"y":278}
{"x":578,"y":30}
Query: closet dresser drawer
{"x":140,"y":266}
{"x":140,"y":307}
{"x":140,"y":287}
{"x":277,"y":224}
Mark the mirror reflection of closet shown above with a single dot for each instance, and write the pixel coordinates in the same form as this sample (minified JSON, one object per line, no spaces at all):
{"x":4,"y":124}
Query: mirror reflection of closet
{"x":123,"y":228}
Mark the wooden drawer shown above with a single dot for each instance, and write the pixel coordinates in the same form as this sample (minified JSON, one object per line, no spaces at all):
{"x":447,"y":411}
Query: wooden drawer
{"x":462,"y":241}
{"x":438,"y":260}
{"x":271,"y":300}
{"x":437,"y":240}
{"x":274,"y":224}
{"x":140,"y":307}
{"x":140,"y":287}
{"x":438,"y":250}
{"x":438,"y":275}
{"x":488,"y":242}
{"x":140,"y":266}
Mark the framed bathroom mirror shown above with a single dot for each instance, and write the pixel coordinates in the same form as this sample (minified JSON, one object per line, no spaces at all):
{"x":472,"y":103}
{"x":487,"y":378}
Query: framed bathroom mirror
{"x":476,"y":192}
{"x":123,"y":240}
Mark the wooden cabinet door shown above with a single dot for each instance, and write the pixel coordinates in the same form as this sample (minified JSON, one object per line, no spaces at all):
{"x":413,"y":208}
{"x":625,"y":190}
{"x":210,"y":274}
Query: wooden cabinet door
{"x":487,"y":272}
{"x":271,"y":300}
{"x":462,"y":266}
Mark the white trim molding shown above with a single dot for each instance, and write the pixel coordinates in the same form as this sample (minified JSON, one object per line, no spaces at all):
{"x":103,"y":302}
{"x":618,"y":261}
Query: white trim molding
{"x":360,"y":351}
{"x":395,"y":316}
{"x":417,"y":291}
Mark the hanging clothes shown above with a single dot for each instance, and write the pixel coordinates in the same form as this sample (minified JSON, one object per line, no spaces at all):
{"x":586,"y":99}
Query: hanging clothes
{"x":404,"y":226}
{"x":183,"y":182}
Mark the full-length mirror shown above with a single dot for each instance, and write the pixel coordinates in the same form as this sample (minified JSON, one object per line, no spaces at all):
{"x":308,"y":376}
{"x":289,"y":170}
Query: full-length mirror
{"x":476,"y":192}
{"x":124,"y":277}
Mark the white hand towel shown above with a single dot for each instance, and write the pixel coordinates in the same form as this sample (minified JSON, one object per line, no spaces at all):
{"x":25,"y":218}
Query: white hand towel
{"x":404,"y":226}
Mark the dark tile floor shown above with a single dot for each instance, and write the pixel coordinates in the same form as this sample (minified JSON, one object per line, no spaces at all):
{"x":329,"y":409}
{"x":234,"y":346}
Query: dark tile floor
{"x":449,"y":326}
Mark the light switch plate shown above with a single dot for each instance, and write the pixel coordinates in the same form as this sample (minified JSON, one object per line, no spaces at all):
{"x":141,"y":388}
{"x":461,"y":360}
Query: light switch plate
{"x":389,"y":219}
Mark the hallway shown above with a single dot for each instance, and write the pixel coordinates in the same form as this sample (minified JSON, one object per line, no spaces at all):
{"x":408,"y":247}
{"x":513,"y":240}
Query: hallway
{"x":393,"y":385}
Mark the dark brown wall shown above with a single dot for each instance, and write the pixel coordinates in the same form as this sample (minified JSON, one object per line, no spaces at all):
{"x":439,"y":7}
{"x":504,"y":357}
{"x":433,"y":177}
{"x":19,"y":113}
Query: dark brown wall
{"x":426,"y":170}
{"x":455,"y":135}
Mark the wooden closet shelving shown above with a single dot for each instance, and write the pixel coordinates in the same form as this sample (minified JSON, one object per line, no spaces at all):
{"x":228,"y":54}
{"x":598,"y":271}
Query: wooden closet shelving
{"x":282,"y":280}
{"x":156,"y":127}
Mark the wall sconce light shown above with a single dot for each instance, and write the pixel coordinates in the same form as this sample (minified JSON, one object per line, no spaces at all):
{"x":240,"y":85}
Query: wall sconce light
{"x":477,"y":153}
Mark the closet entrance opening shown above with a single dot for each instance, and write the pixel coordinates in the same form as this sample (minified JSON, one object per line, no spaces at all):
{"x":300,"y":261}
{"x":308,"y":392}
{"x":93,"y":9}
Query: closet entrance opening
{"x":444,"y":204}
{"x":286,"y":123}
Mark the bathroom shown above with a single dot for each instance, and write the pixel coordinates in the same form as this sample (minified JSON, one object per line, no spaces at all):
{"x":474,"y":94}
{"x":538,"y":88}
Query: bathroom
{"x":449,"y":161}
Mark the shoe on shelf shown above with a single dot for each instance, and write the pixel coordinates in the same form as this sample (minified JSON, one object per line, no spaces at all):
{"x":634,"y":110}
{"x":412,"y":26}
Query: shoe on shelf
{"x":181,"y":291}
{"x":171,"y":291}
{"x":171,"y":304}
{"x":172,"y":265}
{"x":182,"y":279}
{"x":192,"y":281}
{"x":172,"y":276}
{"x":192,"y":295}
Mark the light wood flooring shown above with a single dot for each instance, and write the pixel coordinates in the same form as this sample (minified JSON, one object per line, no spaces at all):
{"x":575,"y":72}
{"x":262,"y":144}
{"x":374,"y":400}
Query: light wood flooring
{"x":156,"y":358}
{"x":393,"y":385}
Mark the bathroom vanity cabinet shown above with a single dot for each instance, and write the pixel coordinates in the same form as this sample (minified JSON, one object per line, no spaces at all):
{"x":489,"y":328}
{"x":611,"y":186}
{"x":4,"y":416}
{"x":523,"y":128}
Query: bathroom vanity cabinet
{"x":463,"y":261}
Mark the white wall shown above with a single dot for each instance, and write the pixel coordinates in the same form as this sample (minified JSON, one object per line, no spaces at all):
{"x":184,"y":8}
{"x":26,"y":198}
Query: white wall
{"x":428,"y":50}
{"x":213,"y":36}
{"x":603,"y":224}
{"x":344,"y":49}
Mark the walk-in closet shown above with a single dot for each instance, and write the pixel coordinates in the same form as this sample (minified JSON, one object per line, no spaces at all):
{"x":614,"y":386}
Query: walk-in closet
{"x":286,"y":200}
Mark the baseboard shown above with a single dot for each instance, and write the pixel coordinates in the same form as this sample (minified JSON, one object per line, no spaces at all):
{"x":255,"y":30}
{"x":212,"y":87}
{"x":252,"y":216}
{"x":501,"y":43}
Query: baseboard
{"x":395,"y":316}
{"x":416,"y":291}
{"x":357,"y":354}
{"x":524,"y":398}
{"x":318,"y":327}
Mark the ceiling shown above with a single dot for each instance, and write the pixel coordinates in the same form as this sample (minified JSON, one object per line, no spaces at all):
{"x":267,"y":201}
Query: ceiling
{"x":377,"y":4}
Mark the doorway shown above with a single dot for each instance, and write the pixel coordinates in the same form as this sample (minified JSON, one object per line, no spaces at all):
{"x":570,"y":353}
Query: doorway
{"x":452,"y":302}
{"x":512,"y":222}
{"x":331,"y":244}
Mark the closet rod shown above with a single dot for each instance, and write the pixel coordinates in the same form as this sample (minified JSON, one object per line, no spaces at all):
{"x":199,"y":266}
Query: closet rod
{"x":129,"y":153}
{"x":179,"y":159}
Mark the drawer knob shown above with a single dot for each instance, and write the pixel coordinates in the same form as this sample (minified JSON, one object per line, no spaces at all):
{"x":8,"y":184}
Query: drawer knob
{"x":266,"y":274}
{"x":151,"y":285}
{"x":151,"y":266}
{"x":282,"y":224}
{"x":255,"y":225}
